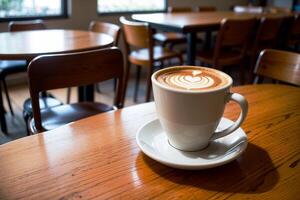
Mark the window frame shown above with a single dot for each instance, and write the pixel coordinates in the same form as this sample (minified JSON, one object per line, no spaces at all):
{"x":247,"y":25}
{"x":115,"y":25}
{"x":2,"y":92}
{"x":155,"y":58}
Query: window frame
{"x":65,"y":14}
{"x":133,"y":12}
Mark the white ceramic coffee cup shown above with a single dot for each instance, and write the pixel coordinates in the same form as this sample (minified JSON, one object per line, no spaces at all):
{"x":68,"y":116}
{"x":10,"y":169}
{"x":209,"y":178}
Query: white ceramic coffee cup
{"x":190,"y":118}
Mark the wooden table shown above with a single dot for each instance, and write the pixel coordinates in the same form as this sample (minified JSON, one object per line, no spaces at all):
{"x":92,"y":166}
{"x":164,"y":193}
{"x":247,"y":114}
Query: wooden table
{"x":98,"y":157}
{"x":26,"y":45}
{"x":190,"y":23}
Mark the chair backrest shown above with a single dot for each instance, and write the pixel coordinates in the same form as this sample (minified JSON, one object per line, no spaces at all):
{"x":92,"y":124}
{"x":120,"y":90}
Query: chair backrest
{"x":233,"y":33}
{"x":179,"y":9}
{"x":55,"y":71}
{"x":26,"y":25}
{"x":279,"y":65}
{"x":137,"y":34}
{"x":207,"y":8}
{"x":102,"y":27}
{"x":267,"y":33}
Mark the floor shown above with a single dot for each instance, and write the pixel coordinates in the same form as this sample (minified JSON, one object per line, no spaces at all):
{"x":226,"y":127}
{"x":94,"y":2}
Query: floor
{"x":19,"y":93}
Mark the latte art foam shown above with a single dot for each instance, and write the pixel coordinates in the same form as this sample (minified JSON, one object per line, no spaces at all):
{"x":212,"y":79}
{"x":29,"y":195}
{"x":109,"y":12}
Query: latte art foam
{"x":191,"y":79}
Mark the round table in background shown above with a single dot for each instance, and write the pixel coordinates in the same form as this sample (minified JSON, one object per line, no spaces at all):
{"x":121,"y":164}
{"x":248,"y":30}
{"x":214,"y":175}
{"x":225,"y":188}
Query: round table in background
{"x":26,"y":45}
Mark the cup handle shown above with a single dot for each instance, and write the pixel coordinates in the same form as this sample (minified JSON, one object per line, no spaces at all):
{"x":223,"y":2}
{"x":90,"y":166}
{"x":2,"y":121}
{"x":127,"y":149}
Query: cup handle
{"x":241,"y":100}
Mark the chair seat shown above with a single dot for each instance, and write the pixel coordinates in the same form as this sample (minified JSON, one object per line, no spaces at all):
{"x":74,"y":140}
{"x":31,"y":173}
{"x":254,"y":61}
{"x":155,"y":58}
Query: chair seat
{"x":10,"y":67}
{"x":169,"y":37}
{"x":60,"y":115}
{"x":141,"y":56}
{"x":45,"y":102}
{"x":229,"y":57}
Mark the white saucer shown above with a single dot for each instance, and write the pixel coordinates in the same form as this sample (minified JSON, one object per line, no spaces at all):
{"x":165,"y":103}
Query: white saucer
{"x":154,"y":143}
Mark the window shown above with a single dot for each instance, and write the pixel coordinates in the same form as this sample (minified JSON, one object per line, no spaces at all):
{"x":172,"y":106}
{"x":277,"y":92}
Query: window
{"x":31,"y":9}
{"x":125,"y":6}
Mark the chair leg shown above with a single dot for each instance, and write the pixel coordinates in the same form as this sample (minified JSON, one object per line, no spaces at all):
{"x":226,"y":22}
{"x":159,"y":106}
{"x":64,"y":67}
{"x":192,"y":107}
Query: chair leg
{"x":7,"y":97}
{"x":126,"y":80}
{"x":98,"y":87}
{"x":26,"y":119}
{"x":69,"y":91}
{"x":149,"y":84}
{"x":252,"y":67}
{"x":137,"y":81}
{"x":115,"y":84}
{"x":3,"y":125}
{"x":258,"y":79}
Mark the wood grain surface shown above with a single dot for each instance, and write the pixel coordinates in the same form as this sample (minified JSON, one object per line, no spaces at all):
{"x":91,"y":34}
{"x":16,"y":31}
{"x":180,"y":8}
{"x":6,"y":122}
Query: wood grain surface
{"x":98,"y":158}
{"x":194,"y":21}
{"x":29,"y":44}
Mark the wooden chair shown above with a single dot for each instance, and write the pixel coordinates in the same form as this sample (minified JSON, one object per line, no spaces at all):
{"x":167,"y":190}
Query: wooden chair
{"x":26,"y":25}
{"x":231,"y":44}
{"x":139,"y":35}
{"x":12,"y":67}
{"x":69,"y":70}
{"x":206,"y":9}
{"x":172,"y":38}
{"x":46,"y":100}
{"x":278,"y":65}
{"x":112,"y":30}
{"x":266,"y":37}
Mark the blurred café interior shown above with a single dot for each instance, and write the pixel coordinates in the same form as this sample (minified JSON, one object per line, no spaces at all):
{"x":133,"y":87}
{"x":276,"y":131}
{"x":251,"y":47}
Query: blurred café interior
{"x":41,"y":41}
